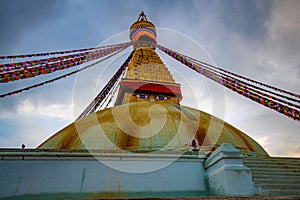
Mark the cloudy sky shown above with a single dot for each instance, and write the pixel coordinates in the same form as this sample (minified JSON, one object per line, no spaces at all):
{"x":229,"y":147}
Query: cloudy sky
{"x":257,"y":39}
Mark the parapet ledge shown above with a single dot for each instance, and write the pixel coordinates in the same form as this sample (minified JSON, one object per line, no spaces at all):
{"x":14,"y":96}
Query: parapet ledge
{"x":224,"y":151}
{"x":37,"y":154}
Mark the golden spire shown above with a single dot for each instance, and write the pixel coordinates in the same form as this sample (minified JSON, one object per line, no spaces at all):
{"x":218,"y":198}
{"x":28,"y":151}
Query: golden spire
{"x":147,"y":78}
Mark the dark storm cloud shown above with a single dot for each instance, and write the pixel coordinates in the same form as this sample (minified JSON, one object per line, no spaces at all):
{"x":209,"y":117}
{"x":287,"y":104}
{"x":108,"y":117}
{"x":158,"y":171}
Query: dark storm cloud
{"x":85,"y":23}
{"x":18,"y":16}
{"x":244,"y":17}
{"x":34,"y":26}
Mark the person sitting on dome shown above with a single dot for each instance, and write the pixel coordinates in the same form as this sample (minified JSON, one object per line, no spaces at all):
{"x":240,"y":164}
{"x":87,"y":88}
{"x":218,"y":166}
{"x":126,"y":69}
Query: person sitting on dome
{"x":193,"y":145}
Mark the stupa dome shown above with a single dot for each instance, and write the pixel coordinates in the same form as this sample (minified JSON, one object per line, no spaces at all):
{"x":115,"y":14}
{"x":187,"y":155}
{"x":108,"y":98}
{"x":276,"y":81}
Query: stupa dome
{"x":146,"y":126}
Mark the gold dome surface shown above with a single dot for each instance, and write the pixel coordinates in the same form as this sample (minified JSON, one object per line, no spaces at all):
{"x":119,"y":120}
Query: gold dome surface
{"x":146,"y":126}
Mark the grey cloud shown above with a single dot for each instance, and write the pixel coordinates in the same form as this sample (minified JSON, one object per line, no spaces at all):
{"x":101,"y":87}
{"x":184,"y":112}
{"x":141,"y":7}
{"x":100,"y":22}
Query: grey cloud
{"x":244,"y":17}
{"x":18,"y":16}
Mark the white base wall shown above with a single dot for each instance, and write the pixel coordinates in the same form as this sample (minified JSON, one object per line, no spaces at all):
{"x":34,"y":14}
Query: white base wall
{"x":88,"y":175}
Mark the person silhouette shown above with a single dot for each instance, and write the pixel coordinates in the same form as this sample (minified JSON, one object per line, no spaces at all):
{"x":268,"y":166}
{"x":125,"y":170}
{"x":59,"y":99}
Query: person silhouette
{"x":193,"y":145}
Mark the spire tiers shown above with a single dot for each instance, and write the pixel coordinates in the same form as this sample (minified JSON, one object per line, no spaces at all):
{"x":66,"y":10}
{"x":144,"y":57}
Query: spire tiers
{"x":147,"y":77}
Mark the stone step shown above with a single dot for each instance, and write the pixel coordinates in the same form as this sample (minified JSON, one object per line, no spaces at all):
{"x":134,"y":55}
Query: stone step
{"x":295,"y":161}
{"x":278,"y":186}
{"x":276,"y":192}
{"x":274,"y":170}
{"x":296,"y":181}
{"x":272,"y":157}
{"x":274,"y":164}
{"x":287,"y":170}
{"x":274,"y":177}
{"x":272,"y":160}
{"x":266,"y":166}
{"x":275,"y":173}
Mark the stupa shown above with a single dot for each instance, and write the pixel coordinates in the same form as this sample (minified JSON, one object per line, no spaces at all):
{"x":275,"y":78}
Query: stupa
{"x":147,"y":145}
{"x":148,"y":96}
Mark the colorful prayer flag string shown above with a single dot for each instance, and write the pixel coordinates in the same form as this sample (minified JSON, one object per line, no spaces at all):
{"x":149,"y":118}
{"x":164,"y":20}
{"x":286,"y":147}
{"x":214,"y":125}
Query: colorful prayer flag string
{"x":247,"y":79}
{"x":57,"y":78}
{"x":28,"y":69}
{"x":188,"y":60}
{"x":56,"y":52}
{"x":240,"y":86}
{"x":243,"y":84}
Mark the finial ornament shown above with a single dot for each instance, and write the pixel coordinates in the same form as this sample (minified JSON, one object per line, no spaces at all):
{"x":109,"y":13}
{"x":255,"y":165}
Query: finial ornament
{"x":142,"y":16}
